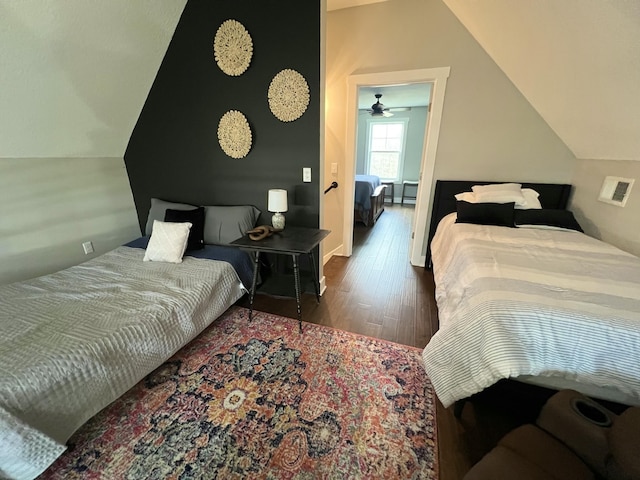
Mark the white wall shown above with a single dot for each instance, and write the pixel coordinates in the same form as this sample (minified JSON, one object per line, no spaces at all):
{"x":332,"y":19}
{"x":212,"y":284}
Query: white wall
{"x":488,"y":132}
{"x":49,"y":206}
{"x":619,"y":226}
{"x":74,"y":77}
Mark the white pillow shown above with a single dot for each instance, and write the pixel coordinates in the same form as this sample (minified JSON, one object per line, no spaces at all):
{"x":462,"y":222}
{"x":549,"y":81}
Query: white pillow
{"x":491,"y":197}
{"x":524,"y":198}
{"x":530,"y":200}
{"x":497,"y":187}
{"x":495,"y":195}
{"x":168,"y":242}
{"x":466,"y":197}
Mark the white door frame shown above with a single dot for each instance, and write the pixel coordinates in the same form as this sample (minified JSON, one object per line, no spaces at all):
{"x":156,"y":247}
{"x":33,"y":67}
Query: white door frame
{"x":438,"y":78}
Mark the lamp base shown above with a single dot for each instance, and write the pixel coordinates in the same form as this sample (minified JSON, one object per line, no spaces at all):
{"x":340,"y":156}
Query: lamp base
{"x":277,"y":221}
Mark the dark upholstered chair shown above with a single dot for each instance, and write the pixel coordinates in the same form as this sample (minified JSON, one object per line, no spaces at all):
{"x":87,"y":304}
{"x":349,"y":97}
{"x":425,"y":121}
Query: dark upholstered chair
{"x":529,"y":453}
{"x":574,"y":438}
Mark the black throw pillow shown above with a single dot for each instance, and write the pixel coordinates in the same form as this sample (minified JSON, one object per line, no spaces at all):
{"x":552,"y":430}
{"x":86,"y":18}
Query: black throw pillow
{"x":500,"y":214}
{"x":548,"y":216}
{"x":196,"y":217}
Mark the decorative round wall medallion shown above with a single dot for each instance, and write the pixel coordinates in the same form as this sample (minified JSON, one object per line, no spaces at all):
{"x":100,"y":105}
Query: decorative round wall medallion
{"x":234,"y":134}
{"x":288,"y":95}
{"x":232,"y":48}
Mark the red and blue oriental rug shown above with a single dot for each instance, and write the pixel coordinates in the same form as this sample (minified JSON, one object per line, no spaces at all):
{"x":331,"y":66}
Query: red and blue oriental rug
{"x":259,"y":400}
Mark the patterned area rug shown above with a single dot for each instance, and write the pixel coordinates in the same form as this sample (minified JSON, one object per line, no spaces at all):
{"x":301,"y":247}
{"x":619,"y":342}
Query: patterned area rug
{"x":259,"y":400}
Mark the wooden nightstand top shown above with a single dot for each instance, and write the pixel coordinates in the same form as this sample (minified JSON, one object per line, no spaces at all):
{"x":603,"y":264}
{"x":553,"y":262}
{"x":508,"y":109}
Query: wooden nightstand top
{"x":291,"y":240}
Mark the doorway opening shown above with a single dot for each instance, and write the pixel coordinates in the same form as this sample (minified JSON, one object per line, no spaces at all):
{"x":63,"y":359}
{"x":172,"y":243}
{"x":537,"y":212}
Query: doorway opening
{"x":389,"y":145}
{"x":436,"y":78}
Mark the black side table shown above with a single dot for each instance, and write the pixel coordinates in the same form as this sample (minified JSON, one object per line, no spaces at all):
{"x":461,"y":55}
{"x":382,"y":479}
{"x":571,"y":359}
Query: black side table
{"x":293,"y":241}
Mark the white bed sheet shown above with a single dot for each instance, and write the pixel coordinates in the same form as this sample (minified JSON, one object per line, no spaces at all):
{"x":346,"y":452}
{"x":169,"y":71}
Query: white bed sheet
{"x":551,"y":304}
{"x":74,"y":341}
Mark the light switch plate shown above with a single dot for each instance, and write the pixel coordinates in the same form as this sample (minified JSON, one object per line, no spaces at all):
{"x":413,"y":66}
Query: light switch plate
{"x":306,"y":174}
{"x":334,"y":167}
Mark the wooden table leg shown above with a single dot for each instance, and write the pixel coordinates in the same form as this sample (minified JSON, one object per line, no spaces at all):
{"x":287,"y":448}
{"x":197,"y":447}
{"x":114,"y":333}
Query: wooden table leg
{"x":253,"y":283}
{"x":296,"y":276}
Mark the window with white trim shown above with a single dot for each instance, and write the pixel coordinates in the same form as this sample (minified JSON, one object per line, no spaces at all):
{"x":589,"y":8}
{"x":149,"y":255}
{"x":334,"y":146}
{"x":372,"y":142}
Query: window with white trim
{"x":385,"y":152}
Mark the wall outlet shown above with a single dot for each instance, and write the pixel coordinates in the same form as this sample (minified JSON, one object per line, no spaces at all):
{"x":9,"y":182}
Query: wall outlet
{"x":87,"y":247}
{"x":306,"y":174}
{"x":334,"y":168}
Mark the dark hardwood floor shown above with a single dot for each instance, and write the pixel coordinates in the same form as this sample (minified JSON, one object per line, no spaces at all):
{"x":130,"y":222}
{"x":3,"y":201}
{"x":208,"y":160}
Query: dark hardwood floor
{"x":377,"y":292}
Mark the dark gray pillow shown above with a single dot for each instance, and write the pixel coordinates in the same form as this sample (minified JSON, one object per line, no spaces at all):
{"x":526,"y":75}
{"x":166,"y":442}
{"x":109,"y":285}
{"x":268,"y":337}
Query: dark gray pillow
{"x":159,"y":209}
{"x":224,"y":224}
{"x":500,"y":214}
{"x":548,"y":217}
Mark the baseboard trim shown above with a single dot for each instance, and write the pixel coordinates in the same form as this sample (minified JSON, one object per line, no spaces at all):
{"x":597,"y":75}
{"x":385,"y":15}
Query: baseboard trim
{"x":327,"y":256}
{"x":420,"y":261}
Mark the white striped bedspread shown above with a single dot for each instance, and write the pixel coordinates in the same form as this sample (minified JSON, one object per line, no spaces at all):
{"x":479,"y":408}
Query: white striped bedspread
{"x":520,"y":301}
{"x":74,"y":341}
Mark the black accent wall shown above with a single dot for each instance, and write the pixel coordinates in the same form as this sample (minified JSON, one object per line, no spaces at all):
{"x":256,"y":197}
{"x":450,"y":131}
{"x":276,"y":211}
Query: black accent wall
{"x":173,"y":152}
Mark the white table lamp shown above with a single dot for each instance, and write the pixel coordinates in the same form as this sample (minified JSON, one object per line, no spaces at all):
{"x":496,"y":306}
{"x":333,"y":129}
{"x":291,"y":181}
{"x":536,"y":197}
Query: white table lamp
{"x":277,"y":204}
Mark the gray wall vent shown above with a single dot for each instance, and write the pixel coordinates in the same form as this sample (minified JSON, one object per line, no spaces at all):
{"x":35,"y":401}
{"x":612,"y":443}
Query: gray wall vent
{"x":616,"y":190}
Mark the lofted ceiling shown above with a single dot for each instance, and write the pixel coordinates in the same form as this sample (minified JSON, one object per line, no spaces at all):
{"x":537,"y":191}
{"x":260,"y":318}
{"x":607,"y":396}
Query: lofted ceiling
{"x":75,"y":73}
{"x":576,"y":61}
{"x":338,"y":4}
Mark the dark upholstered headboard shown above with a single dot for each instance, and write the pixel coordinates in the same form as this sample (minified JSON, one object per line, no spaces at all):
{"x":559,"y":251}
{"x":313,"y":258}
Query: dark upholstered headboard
{"x":552,"y":195}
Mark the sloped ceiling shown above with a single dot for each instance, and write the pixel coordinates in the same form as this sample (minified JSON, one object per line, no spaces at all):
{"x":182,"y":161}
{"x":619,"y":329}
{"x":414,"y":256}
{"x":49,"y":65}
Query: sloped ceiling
{"x":339,"y":4}
{"x":74,"y":74}
{"x":576,"y":61}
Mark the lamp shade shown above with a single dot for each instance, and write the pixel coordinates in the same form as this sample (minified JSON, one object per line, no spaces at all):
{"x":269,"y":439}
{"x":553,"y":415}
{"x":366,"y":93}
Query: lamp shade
{"x":277,"y":200}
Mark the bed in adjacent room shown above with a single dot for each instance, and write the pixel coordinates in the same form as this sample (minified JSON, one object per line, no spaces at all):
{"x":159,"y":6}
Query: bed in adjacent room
{"x":75,"y":340}
{"x":369,"y":199}
{"x":522,"y":293}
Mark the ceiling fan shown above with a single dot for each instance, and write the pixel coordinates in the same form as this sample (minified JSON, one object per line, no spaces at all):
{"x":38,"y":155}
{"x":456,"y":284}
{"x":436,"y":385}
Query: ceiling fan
{"x":378,"y":109}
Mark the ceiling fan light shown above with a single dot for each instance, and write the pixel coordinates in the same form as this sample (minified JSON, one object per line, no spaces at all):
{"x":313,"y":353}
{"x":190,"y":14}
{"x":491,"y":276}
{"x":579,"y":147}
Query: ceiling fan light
{"x":378,"y":110}
{"x":381,"y":114}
